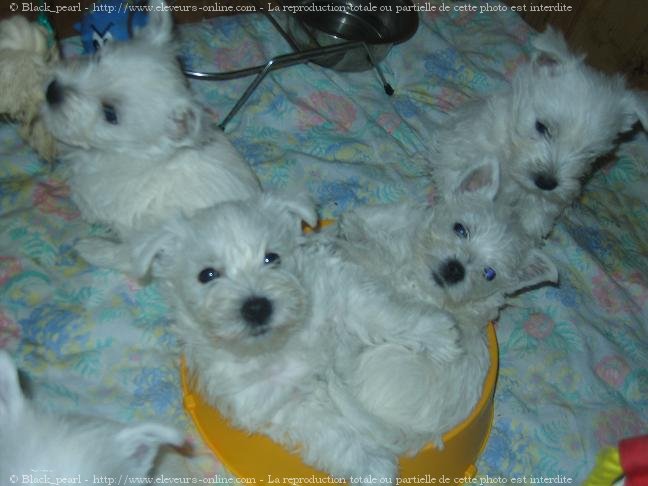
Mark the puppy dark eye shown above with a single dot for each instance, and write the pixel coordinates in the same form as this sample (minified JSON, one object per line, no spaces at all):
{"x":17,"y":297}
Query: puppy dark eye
{"x":208,"y":274}
{"x":109,"y":112}
{"x":489,"y":273}
{"x":542,"y":129}
{"x":460,"y":230}
{"x":271,"y":258}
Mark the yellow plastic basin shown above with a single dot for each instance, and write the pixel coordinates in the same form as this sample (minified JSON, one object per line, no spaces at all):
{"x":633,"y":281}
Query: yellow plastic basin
{"x":256,"y":456}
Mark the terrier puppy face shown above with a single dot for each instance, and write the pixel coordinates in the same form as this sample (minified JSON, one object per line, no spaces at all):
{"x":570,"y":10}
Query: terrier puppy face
{"x":231,"y":272}
{"x":474,"y":250}
{"x":235,"y":278}
{"x":465,"y":254}
{"x":547,"y":132}
{"x":469,"y":248}
{"x":563,"y":115}
{"x":470,"y":251}
{"x":42,"y":444}
{"x":130,"y":97}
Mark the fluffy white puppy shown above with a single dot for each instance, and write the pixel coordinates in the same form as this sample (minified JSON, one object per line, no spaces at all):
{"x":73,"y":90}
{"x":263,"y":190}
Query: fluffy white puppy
{"x":41,"y":448}
{"x":559,"y":116}
{"x":464,"y":255}
{"x":261,"y":313}
{"x":134,"y":137}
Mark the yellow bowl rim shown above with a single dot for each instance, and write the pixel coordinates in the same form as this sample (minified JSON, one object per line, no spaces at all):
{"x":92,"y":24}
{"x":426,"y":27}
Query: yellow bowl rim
{"x":486,"y":397}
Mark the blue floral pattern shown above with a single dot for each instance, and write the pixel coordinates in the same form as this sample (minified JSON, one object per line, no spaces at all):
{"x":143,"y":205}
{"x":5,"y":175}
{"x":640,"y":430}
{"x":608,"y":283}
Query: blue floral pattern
{"x":574,"y":365}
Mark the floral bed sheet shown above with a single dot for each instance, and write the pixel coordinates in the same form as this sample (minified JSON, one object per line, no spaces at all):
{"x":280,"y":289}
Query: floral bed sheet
{"x":573,"y":358}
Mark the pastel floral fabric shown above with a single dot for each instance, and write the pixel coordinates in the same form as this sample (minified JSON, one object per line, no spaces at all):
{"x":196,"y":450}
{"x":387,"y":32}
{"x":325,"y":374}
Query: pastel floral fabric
{"x":574,"y":357}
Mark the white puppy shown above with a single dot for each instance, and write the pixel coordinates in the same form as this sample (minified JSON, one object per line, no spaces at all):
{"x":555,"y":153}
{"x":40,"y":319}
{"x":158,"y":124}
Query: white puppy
{"x":41,"y":448}
{"x":135,"y":138}
{"x":463,"y":255}
{"x":261,"y":314}
{"x":559,"y":116}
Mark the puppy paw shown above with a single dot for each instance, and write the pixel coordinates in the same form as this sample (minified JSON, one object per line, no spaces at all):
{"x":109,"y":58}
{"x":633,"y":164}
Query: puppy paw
{"x":376,"y":470}
{"x":360,"y":463}
{"x":441,"y":337}
{"x":437,"y":441}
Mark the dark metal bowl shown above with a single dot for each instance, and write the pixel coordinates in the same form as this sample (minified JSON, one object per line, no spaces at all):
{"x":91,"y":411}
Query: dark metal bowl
{"x":319,"y":23}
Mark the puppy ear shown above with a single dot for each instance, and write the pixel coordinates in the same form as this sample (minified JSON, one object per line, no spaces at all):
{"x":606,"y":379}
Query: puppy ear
{"x":551,"y":51}
{"x":138,"y":445}
{"x":536,"y":269}
{"x":550,"y":48}
{"x":159,"y":26}
{"x":11,"y":396}
{"x":185,"y":123}
{"x":634,"y":107}
{"x":134,"y":257}
{"x":482,"y":180}
{"x":299,"y":207}
{"x":104,"y":253}
{"x":151,"y":252}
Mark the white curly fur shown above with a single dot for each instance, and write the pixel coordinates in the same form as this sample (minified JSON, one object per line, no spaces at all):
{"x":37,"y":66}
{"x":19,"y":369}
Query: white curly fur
{"x":37,"y":447}
{"x":427,"y":259}
{"x":280,"y":369}
{"x":134,"y":137}
{"x":559,"y":116}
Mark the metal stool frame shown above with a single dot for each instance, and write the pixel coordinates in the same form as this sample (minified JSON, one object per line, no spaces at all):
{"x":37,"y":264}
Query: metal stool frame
{"x":299,"y":56}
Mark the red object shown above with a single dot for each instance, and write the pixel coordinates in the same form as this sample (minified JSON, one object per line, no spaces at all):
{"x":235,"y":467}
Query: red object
{"x":633,"y":453}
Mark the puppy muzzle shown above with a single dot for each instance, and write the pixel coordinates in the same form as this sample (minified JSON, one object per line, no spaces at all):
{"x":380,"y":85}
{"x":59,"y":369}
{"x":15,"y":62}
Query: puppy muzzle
{"x":450,"y":273}
{"x":54,"y":93}
{"x":256,"y":312}
{"x":545,"y":181}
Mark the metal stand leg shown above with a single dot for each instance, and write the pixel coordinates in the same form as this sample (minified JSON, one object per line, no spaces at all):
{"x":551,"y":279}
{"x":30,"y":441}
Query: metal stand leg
{"x":388,"y":87}
{"x":297,"y":57}
{"x":281,"y":62}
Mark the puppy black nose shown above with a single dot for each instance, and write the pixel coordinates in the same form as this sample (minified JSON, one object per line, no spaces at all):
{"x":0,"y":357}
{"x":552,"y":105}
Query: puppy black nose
{"x":256,"y":311}
{"x":453,"y":272}
{"x":545,"y":182}
{"x":54,"y":93}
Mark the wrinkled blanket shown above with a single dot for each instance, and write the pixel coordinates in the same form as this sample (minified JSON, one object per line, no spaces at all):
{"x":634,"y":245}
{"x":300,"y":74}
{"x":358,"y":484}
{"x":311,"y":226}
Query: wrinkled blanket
{"x":574,"y":357}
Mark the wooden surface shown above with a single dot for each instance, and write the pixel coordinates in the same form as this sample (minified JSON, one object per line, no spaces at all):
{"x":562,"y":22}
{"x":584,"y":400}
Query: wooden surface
{"x":613,"y":33}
